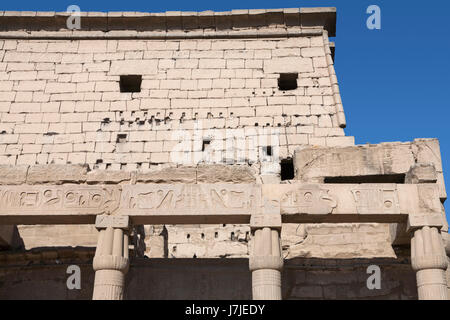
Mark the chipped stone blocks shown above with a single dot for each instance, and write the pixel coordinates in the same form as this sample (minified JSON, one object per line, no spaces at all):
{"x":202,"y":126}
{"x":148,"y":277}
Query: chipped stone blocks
{"x":159,"y":24}
{"x":80,"y":174}
{"x":413,"y":162}
{"x":394,"y":161}
{"x":336,"y":241}
{"x":217,"y":241}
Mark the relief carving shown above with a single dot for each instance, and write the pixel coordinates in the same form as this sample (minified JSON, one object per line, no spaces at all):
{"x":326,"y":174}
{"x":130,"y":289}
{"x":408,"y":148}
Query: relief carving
{"x":104,"y":199}
{"x":370,"y":199}
{"x":308,"y":200}
{"x":191,"y":197}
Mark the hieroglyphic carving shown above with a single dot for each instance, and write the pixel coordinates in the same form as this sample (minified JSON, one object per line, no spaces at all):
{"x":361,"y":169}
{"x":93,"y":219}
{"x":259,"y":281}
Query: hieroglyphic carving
{"x":191,"y":198}
{"x":428,"y":198}
{"x":217,"y":203}
{"x":308,"y":200}
{"x":375,"y":199}
{"x":98,"y":199}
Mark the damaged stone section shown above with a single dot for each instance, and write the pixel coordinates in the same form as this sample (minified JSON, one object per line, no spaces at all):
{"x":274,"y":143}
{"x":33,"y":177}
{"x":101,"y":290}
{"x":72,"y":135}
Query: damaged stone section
{"x":393,"y":162}
{"x":156,"y":243}
{"x":80,"y":174}
{"x":414,"y":162}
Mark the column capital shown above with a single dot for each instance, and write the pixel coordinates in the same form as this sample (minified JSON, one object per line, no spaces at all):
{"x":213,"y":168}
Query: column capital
{"x":427,"y":250}
{"x":104,"y":262}
{"x":117,"y":222}
{"x":418,"y":221}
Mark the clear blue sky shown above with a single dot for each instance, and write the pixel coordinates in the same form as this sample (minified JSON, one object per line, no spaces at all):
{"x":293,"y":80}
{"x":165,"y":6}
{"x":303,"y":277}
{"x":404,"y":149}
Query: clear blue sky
{"x":395,"y":82}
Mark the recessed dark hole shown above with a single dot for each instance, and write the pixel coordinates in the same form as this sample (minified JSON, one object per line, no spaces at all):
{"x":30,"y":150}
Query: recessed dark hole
{"x":106,"y":120}
{"x":287,"y":169}
{"x":216,"y":234}
{"x":188,"y":236}
{"x":98,"y":161}
{"x":121,"y":138}
{"x":390,"y":178}
{"x":232,"y":236}
{"x":203,"y":236}
{"x":267,"y":150}
{"x":130,"y":83}
{"x":287,"y":81}
{"x":206,"y":143}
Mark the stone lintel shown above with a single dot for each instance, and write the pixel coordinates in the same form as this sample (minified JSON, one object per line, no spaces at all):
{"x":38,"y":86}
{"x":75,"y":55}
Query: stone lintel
{"x":217,"y":203}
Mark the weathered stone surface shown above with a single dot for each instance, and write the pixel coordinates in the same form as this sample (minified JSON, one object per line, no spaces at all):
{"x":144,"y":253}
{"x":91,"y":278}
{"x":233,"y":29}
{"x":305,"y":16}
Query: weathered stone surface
{"x":107,"y":176}
{"x":316,"y":164}
{"x":332,"y":241}
{"x":169,"y":175}
{"x":421,"y":173}
{"x":219,"y":203}
{"x":386,"y":162}
{"x":210,"y":76}
{"x":36,"y":236}
{"x":225,"y":174}
{"x":57,"y":174}
{"x":143,"y":67}
{"x":13,"y":174}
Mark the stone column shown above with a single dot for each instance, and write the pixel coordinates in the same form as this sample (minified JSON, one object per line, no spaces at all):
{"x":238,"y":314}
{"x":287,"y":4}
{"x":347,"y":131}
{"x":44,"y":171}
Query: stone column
{"x":111,"y":259}
{"x":266,"y":261}
{"x":429,"y":260}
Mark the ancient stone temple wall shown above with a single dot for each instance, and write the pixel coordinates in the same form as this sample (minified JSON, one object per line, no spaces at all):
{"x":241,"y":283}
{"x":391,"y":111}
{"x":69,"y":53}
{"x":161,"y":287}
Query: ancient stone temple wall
{"x":61,"y":103}
{"x":242,"y":97}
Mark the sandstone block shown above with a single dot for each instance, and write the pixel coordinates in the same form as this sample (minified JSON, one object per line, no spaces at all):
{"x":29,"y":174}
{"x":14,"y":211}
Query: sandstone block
{"x":134,"y":67}
{"x":56,"y":174}
{"x":168,"y":175}
{"x":12,"y":175}
{"x":288,"y":65}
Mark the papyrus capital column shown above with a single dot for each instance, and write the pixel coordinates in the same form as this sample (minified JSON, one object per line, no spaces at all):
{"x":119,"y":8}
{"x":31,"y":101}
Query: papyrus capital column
{"x":266,"y":261}
{"x":429,"y":260}
{"x":111,"y":259}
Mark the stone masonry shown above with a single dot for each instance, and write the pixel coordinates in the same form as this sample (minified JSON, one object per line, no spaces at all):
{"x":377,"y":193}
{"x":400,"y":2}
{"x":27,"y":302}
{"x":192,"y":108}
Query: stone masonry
{"x":222,"y":84}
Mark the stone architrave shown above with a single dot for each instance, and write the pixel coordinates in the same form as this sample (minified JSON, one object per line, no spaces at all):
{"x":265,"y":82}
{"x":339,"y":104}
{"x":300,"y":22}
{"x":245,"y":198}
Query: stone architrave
{"x":218,"y":203}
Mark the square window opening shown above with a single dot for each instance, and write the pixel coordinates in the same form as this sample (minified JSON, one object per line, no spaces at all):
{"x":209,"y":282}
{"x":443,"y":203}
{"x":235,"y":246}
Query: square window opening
{"x":130,"y":83}
{"x":287,"y":81}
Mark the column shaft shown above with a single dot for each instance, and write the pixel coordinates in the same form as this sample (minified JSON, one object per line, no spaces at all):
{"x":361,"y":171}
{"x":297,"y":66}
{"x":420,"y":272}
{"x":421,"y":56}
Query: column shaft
{"x":429,"y":260}
{"x":110,"y":264}
{"x":266,"y":263}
